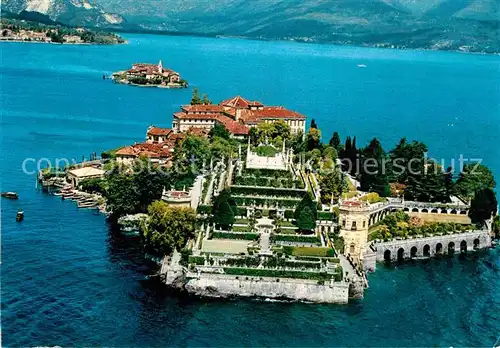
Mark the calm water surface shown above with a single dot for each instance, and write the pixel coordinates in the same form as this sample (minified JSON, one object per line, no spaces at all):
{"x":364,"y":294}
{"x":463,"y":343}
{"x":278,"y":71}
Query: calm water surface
{"x":67,"y":280}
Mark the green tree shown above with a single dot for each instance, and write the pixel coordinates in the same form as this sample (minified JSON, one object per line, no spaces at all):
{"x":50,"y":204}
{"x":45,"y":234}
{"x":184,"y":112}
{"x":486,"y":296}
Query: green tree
{"x":191,"y":154}
{"x":224,"y":210}
{"x":195,"y":98}
{"x":313,"y":139}
{"x":496,"y":226}
{"x":148,"y":182}
{"x":407,"y":160}
{"x":483,"y":205}
{"x":474,"y":177}
{"x":121,"y":196}
{"x":335,"y":141}
{"x":205,"y":100}
{"x":332,"y":184}
{"x":430,"y":186}
{"x":168,"y":228}
{"x":306,"y":201}
{"x":330,"y":152}
{"x":280,"y":129}
{"x":306,"y":220}
{"x":373,"y":177}
{"x":219,"y":130}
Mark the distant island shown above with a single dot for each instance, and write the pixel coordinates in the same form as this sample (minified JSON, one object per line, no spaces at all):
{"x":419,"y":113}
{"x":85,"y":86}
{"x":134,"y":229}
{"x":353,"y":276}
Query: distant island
{"x":154,"y":75}
{"x":31,"y":31}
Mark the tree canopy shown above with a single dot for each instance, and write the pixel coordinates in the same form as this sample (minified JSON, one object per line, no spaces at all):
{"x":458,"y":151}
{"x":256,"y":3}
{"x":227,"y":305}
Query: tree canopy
{"x":473,"y":178}
{"x":168,"y":228}
{"x":224,"y":210}
{"x":306,"y":202}
{"x":483,"y":205}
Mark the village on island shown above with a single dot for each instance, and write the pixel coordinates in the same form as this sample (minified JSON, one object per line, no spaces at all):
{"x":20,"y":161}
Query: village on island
{"x":152,"y":75}
{"x":240,"y":199}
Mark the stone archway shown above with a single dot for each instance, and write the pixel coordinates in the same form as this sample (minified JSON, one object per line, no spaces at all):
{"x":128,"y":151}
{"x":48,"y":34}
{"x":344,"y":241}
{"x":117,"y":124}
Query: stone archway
{"x":427,"y":250}
{"x":463,"y":246}
{"x":454,"y":212}
{"x":444,"y":211}
{"x":401,"y":254}
{"x":451,"y":248}
{"x":425,"y":210}
{"x":352,"y":249}
{"x":439,"y":248}
{"x":406,"y":210}
{"x":476,"y":243}
{"x":414,"y":210}
{"x":434,"y":211}
{"x":413,"y":252}
{"x":387,"y":256}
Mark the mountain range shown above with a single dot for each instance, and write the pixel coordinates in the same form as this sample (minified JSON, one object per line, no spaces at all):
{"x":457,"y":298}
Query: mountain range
{"x":469,"y":25}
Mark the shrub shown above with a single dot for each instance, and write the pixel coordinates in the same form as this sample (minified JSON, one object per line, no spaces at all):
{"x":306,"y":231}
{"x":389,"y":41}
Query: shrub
{"x":266,"y":151}
{"x":204,"y":209}
{"x":294,"y":238}
{"x":229,"y":235}
{"x":309,"y":251}
{"x":254,"y":272}
{"x":325,"y":215}
{"x":197,"y":260}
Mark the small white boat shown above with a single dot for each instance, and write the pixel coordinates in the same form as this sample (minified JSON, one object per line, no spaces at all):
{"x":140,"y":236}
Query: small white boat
{"x":361,"y":66}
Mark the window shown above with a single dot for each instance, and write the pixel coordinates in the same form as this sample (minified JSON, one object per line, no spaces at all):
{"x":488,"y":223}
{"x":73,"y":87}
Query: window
{"x":343,"y":223}
{"x":364,"y":224}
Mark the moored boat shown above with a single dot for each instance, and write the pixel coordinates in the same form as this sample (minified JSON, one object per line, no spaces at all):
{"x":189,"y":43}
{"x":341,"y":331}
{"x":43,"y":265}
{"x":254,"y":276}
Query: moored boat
{"x":10,"y":195}
{"x":20,"y":215}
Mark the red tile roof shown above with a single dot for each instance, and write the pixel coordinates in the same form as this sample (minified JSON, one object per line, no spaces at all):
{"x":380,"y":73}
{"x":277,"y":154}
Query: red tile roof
{"x":239,"y":102}
{"x":234,"y":127}
{"x":202,"y":108}
{"x":158,"y":131}
{"x":277,"y":112}
{"x":146,"y":149}
{"x":190,"y":116}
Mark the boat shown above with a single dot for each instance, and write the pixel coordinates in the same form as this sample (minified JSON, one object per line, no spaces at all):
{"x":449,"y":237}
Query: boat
{"x":10,"y":195}
{"x":20,"y":215}
{"x":361,"y":66}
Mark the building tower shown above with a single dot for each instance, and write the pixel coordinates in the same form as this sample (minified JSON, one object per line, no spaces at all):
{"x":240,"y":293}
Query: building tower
{"x":160,"y":67}
{"x":353,"y":219}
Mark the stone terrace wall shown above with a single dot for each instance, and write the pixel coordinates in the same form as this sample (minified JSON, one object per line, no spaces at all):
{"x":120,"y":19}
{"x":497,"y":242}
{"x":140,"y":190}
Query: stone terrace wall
{"x":475,"y":239}
{"x":223,"y":286}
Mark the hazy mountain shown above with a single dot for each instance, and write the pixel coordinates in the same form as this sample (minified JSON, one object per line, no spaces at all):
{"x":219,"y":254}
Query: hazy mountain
{"x":435,"y":24}
{"x":72,"y":12}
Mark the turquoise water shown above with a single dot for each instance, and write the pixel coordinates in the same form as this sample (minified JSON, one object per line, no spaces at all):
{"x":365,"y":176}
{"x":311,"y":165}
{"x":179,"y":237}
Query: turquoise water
{"x":68,"y":280}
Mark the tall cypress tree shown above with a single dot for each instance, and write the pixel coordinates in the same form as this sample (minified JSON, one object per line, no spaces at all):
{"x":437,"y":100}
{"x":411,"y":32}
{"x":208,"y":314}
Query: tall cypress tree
{"x":313,"y":124}
{"x":335,"y":141}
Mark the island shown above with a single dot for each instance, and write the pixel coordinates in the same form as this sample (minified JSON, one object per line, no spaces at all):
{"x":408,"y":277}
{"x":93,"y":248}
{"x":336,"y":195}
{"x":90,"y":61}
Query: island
{"x":237,"y":199}
{"x":30,"y":31}
{"x":152,"y":75}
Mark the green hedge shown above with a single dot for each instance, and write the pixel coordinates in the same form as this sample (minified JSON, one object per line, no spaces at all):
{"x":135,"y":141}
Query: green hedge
{"x":325,"y":215}
{"x":241,"y":211}
{"x":197,"y":260}
{"x":295,"y":238}
{"x":229,"y":235}
{"x":241,"y":262}
{"x":204,"y":209}
{"x":299,"y":264}
{"x":267,"y":192}
{"x":309,"y":251}
{"x":286,"y":203}
{"x":254,"y":272}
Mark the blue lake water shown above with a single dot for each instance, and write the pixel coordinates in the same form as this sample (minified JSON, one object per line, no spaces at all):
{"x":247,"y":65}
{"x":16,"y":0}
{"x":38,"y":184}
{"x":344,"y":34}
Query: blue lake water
{"x":67,"y":280}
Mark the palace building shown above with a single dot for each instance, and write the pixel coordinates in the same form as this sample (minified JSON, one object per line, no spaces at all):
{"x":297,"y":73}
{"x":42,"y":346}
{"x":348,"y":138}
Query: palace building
{"x":237,"y":114}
